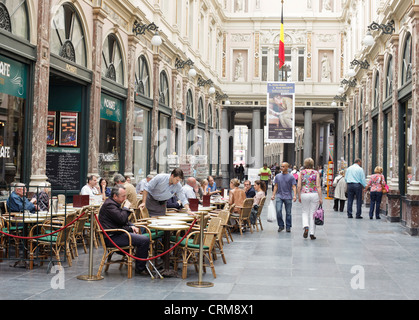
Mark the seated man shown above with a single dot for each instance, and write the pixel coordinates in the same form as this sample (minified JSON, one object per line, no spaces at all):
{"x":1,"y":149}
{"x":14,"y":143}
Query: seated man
{"x":91,"y":188}
{"x":189,"y":188}
{"x":18,"y":203}
{"x":248,"y":188}
{"x":112,"y":216}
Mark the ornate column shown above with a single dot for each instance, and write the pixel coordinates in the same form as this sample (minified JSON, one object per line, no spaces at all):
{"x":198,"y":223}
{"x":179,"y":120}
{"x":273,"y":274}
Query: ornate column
{"x":225,"y":148}
{"x":257,"y":138}
{"x":393,"y":214}
{"x":99,"y":16}
{"x":308,"y":133}
{"x":40,"y":94}
{"x":130,"y":106}
{"x":411,"y":203}
{"x":155,"y":113}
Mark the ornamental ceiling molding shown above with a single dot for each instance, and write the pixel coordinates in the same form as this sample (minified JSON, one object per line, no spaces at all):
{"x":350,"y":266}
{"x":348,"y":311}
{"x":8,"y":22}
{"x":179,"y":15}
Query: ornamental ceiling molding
{"x":292,"y":37}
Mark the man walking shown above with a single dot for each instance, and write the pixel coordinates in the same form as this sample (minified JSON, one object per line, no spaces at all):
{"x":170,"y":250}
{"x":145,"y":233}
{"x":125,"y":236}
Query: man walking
{"x":285,"y":186}
{"x":265,"y":175}
{"x":355,"y":179}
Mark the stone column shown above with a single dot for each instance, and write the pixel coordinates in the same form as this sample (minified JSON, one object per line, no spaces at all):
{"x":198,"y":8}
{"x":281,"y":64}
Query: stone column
{"x":257,"y":139}
{"x":155,"y":113}
{"x":130,"y":106}
{"x":40,"y":94}
{"x":393,"y":214}
{"x":339,"y":136}
{"x":411,"y":203}
{"x":308,"y":133}
{"x":225,"y":148}
{"x":99,"y":15}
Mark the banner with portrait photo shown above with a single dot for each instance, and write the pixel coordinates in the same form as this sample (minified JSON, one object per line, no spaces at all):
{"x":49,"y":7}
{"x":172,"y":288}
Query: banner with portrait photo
{"x":281,"y":112}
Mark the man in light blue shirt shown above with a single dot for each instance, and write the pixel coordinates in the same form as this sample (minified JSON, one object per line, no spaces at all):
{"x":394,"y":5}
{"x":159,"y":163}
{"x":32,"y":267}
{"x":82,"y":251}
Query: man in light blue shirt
{"x":355,"y":179}
{"x":160,"y":189}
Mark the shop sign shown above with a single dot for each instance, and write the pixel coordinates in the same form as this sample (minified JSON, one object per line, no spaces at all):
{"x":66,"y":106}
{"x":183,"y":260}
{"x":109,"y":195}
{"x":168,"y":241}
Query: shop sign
{"x":110,"y":108}
{"x":13,"y":77}
{"x":4,"y":152}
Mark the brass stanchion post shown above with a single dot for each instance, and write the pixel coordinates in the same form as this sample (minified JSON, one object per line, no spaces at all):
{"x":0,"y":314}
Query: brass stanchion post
{"x":90,"y":276}
{"x":200,"y":283}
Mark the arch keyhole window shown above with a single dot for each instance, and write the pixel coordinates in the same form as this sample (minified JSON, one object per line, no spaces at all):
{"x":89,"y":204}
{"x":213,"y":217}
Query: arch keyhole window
{"x":164,"y":89}
{"x":112,"y":66}
{"x":377,"y":91}
{"x":67,"y":36}
{"x":14,"y":17}
{"x":209,"y":115}
{"x":189,"y":104}
{"x":142,"y":77}
{"x":389,"y":78}
{"x":201,"y":114}
{"x":407,"y":60}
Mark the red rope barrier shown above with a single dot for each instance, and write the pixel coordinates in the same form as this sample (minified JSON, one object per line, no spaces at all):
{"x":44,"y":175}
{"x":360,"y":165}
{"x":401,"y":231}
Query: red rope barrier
{"x":43,"y":235}
{"x":148,"y":259}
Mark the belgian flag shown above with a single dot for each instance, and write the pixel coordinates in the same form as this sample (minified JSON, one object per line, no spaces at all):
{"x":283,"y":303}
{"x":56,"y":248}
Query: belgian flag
{"x":281,"y":54}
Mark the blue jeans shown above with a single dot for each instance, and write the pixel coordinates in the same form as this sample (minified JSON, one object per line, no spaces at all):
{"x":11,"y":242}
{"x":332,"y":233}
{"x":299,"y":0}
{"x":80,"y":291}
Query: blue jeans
{"x":375,"y":203}
{"x":288,"y":206}
{"x":355,"y":190}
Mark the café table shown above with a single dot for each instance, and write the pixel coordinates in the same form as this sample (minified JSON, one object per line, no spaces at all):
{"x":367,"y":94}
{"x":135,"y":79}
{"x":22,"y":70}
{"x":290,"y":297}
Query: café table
{"x":168,"y":227}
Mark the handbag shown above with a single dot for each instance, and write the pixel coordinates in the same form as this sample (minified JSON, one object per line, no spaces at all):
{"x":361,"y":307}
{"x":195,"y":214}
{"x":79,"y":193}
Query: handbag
{"x":385,"y":187}
{"x":319,"y":216}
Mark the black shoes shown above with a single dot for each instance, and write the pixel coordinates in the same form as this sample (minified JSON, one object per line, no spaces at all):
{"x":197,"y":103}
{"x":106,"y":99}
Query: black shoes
{"x":305,"y":234}
{"x":312,"y":237}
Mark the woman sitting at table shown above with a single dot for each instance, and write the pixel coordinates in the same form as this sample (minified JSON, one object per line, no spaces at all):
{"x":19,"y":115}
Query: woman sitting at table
{"x":236,"y":195}
{"x":104,"y":190}
{"x":42,"y":198}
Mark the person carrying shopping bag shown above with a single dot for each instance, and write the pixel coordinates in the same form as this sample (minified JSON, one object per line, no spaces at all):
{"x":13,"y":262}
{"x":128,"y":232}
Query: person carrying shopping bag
{"x":309,"y":195}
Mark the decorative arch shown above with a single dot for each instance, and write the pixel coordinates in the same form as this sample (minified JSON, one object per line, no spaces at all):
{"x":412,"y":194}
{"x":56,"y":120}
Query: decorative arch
{"x":14,"y":18}
{"x":113,"y":59}
{"x":164,"y":92}
{"x":189,"y":104}
{"x":68,"y":37}
{"x":142,"y":76}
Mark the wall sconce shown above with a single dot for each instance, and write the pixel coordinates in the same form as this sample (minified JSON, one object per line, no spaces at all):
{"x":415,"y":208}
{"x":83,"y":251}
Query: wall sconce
{"x":340,"y":98}
{"x":180,"y":64}
{"x":351,"y":83}
{"x":362,"y":64}
{"x":385,"y":28}
{"x":202,"y":83}
{"x":141,"y":29}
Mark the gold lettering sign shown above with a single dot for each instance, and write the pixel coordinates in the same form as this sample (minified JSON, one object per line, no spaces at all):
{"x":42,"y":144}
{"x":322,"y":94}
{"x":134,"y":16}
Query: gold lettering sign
{"x":71,"y":68}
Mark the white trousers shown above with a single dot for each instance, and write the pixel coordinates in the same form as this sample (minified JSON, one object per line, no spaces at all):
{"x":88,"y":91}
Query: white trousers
{"x":309,"y":203}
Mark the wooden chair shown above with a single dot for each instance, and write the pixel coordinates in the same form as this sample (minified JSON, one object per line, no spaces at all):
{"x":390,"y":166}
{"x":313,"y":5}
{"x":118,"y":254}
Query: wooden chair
{"x":78,"y":231}
{"x":242,"y":218}
{"x":52,"y":243}
{"x":258,"y":219}
{"x":224,"y":216}
{"x":190,"y":249}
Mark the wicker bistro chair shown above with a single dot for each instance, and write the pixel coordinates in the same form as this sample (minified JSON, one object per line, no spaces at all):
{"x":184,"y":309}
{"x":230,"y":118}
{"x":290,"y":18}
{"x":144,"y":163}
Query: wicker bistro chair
{"x":52,"y":244}
{"x":224,"y":216}
{"x":258,"y":219}
{"x":124,"y":259}
{"x":78,"y":231}
{"x":243,"y":216}
{"x":190,"y":247}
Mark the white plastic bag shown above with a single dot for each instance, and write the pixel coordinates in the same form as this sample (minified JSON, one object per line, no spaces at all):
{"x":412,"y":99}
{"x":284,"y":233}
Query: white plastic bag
{"x":271,"y":212}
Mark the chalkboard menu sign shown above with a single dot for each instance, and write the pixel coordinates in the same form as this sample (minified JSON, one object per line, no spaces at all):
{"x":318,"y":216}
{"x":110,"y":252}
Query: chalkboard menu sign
{"x":63,"y":168}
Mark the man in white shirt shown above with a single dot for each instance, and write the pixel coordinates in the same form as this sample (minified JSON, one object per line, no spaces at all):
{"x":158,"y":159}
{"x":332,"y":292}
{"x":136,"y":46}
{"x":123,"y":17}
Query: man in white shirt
{"x":189,"y":188}
{"x":90,"y":189}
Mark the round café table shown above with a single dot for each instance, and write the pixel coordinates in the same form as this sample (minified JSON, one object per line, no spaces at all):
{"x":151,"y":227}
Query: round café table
{"x":168,"y":228}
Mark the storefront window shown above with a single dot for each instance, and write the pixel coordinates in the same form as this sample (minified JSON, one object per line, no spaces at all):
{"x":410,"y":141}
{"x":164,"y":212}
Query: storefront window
{"x":67,"y":36}
{"x":14,"y":17}
{"x":210,"y":115}
{"x":110,"y":136}
{"x":12,"y":124}
{"x":164,"y":143}
{"x":140,"y":137}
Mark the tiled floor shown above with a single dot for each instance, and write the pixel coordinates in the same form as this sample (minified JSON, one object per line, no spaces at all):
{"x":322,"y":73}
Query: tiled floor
{"x":350,"y":259}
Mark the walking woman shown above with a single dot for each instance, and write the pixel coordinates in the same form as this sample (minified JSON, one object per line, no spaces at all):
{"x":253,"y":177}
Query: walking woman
{"x":376,"y":185}
{"x":309,"y":195}
{"x":341,"y":188}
